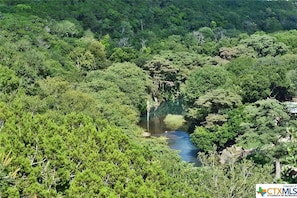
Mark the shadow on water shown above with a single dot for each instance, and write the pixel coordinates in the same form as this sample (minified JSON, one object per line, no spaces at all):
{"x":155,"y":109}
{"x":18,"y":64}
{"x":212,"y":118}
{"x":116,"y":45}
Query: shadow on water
{"x":156,"y":120}
{"x":156,"y":124}
{"x":177,"y":140}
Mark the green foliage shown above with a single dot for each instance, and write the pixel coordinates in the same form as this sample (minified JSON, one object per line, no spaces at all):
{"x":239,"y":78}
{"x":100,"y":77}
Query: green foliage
{"x":169,"y":70}
{"x":265,"y":45}
{"x":66,"y":28}
{"x":132,"y":81}
{"x":203,"y":138}
{"x":171,"y":43}
{"x":261,"y":78}
{"x":292,"y":74}
{"x":83,"y":59}
{"x":254,"y":87}
{"x":75,"y":76}
{"x":238,"y":51}
{"x":234,"y":179}
{"x":125,"y":19}
{"x":212,"y":120}
{"x":164,"y":75}
{"x":242,"y":65}
{"x":211,"y":109}
{"x":218,"y":100}
{"x":287,"y":37}
{"x":219,"y":129}
{"x":7,"y":179}
{"x":207,"y":33}
{"x":51,"y":154}
{"x":8,"y":80}
{"x":265,"y":124}
{"x":205,"y":79}
{"x":174,"y":122}
{"x":111,"y":102}
{"x":123,"y":54}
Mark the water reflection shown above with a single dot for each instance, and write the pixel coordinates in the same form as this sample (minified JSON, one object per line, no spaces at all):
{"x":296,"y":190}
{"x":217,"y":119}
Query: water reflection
{"x":177,"y":140}
{"x":156,"y":125}
{"x":180,"y":140}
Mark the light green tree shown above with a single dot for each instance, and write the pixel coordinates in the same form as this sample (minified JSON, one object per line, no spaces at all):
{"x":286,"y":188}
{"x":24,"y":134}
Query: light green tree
{"x":265,"y":45}
{"x":233,"y":179}
{"x":66,"y":28}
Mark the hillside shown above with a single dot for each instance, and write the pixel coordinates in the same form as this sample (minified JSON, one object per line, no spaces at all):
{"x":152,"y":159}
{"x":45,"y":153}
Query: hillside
{"x":75,"y":77}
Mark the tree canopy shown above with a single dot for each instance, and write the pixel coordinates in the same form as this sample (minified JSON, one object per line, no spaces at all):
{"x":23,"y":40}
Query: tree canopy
{"x":76,"y":76}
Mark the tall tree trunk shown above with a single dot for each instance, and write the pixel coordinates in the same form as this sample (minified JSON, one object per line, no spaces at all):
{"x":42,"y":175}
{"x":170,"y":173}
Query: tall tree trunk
{"x":148,"y":108}
{"x":277,"y":169}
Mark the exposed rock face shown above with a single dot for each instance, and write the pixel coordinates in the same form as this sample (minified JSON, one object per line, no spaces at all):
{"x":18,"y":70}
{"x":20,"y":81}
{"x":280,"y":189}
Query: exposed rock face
{"x":233,"y":153}
{"x":146,"y":134}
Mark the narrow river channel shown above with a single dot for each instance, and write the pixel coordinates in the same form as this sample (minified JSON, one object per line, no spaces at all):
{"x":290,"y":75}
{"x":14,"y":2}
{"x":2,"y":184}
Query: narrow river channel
{"x":177,"y":140}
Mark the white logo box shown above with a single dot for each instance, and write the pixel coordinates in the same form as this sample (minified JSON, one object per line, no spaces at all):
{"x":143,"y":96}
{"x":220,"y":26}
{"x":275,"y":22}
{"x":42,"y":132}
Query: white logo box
{"x":276,"y":190}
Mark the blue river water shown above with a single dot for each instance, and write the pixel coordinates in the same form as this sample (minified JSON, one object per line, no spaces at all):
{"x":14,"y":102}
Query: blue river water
{"x":177,"y":140}
{"x":180,"y":140}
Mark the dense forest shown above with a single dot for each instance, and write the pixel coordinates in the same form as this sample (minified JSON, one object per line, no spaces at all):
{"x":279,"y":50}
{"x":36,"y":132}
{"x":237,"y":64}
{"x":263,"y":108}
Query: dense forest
{"x":77,"y":75}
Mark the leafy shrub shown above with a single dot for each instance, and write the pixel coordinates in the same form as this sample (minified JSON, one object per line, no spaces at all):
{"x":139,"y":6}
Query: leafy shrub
{"x":173,"y":121}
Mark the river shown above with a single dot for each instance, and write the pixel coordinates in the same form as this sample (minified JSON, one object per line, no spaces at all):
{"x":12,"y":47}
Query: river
{"x":177,"y":140}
